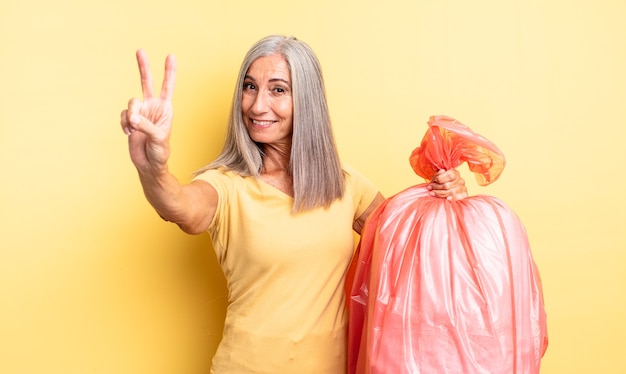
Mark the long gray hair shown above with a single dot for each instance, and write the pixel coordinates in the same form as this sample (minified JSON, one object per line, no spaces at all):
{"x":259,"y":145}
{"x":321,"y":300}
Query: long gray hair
{"x":314,"y":164}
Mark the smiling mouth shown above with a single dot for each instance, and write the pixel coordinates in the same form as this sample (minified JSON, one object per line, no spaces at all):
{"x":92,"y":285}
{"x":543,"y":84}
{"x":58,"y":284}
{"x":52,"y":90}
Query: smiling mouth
{"x":262,"y":123}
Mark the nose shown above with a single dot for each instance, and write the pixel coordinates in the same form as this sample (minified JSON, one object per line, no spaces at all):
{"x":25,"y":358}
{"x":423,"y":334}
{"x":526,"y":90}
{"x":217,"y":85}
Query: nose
{"x":260,"y":103}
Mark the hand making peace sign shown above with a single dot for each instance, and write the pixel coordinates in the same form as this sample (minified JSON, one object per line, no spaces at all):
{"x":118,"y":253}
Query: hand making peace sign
{"x":148,"y":122}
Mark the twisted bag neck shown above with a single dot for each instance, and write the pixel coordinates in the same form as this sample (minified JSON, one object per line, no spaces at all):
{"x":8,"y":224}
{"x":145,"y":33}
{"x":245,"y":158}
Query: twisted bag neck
{"x":448,"y":143}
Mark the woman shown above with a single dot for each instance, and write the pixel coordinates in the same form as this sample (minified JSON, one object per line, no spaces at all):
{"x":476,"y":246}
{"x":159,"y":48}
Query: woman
{"x":279,"y":205}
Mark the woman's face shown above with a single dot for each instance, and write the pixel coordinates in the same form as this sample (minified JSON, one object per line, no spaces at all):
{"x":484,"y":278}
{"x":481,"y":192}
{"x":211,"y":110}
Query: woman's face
{"x":266,"y":103}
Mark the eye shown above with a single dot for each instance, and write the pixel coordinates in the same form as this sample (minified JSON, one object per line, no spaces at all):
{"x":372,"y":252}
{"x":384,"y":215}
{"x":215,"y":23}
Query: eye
{"x":280,"y":90}
{"x":249,"y":86}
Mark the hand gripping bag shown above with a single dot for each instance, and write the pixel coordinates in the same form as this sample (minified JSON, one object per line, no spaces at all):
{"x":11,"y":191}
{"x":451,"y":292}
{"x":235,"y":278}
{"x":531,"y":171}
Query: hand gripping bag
{"x":441,"y":286}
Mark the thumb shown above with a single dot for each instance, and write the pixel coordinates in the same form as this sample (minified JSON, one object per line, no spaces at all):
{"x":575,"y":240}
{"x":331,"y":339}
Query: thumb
{"x":142,"y":124}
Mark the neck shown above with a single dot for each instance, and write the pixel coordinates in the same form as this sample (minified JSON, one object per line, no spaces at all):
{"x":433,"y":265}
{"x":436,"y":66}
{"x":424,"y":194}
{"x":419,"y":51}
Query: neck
{"x":276,"y":159}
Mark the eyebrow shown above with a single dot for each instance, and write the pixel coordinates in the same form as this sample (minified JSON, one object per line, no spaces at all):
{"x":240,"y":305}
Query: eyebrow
{"x":271,"y":80}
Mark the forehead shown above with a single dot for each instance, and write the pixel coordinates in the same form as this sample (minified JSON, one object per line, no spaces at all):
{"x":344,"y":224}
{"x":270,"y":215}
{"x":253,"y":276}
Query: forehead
{"x":269,"y":67}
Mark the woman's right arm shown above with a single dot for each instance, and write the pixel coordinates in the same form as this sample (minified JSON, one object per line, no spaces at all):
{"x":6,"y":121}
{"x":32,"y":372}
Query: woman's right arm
{"x":148,"y":124}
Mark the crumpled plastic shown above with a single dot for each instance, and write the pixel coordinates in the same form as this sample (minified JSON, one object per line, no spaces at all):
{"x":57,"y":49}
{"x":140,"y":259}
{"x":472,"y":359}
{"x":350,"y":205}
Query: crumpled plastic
{"x":440,"y":286}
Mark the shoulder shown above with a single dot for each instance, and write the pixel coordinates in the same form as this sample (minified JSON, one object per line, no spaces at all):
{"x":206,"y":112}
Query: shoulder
{"x":360,"y":188}
{"x":229,"y":183}
{"x":222,"y":180}
{"x":213,"y":175}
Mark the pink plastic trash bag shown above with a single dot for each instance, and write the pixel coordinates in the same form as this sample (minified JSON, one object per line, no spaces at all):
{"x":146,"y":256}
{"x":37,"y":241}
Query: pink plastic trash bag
{"x":443,"y":286}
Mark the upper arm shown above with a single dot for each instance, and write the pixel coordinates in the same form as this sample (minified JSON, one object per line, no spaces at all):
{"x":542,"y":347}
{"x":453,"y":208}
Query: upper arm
{"x":360,"y":222}
{"x":202,"y":199}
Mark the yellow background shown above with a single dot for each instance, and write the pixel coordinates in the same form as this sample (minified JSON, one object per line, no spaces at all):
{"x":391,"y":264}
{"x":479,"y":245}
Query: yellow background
{"x":92,"y":281}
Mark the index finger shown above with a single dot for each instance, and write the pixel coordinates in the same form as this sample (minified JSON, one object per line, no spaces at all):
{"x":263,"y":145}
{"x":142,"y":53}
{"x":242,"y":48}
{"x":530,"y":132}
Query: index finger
{"x":146,"y":76}
{"x":169,"y":79}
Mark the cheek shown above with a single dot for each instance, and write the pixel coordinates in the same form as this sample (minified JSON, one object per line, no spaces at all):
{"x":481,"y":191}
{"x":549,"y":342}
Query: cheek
{"x":286,"y":108}
{"x":246,"y":103}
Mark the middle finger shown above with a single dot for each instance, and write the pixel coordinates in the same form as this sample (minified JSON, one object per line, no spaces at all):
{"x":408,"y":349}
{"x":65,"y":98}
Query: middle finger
{"x":147,"y":87}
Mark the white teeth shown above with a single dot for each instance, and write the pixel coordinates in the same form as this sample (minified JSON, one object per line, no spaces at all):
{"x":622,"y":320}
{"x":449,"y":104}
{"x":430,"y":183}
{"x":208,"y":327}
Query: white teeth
{"x":262,"y":123}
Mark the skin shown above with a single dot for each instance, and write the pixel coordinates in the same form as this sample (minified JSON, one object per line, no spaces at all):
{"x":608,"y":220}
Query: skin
{"x":148,"y":124}
{"x":267,"y":109}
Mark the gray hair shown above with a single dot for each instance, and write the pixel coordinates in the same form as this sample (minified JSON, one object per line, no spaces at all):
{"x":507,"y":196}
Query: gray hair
{"x":318,"y":178}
